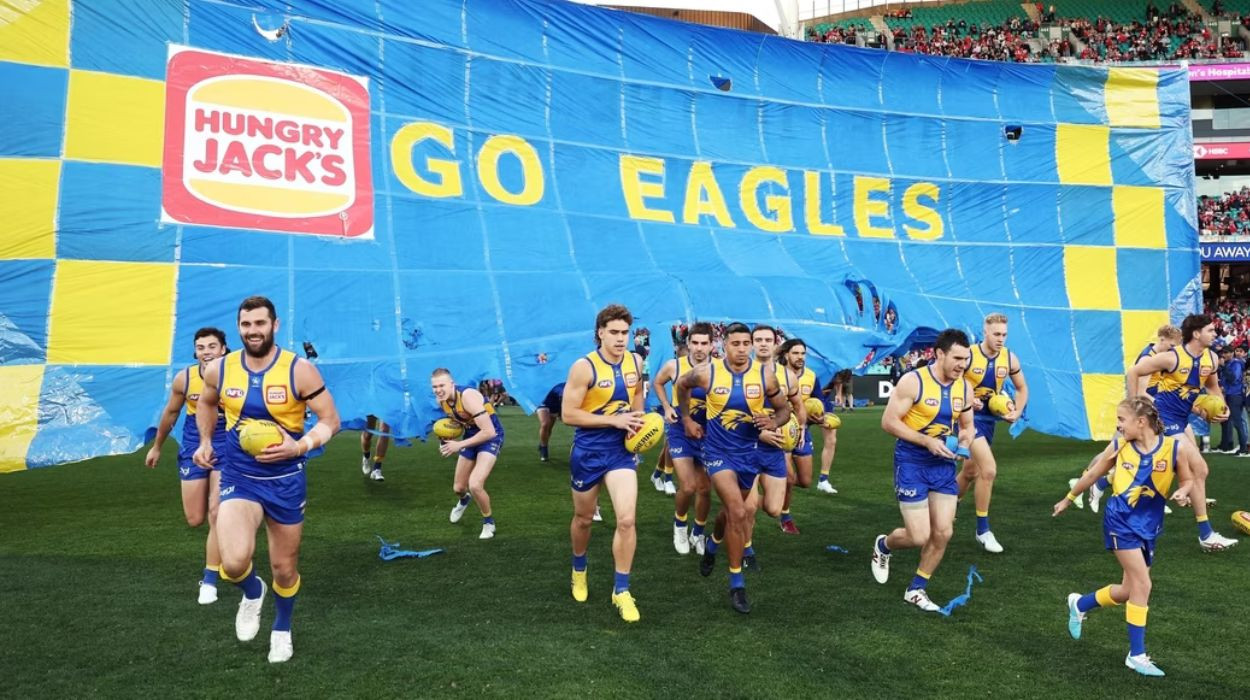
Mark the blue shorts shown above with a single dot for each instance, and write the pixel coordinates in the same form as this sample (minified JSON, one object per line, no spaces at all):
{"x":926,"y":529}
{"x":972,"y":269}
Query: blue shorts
{"x":188,"y":470}
{"x":985,"y":428}
{"x":282,"y":499}
{"x":805,"y":450}
{"x":1173,"y":424}
{"x":553,"y":402}
{"x":743,"y":465}
{"x":770,"y":461}
{"x":587,"y":466}
{"x":1122,"y":539}
{"x":680,"y":446}
{"x":915,"y":477}
{"x":491,"y":446}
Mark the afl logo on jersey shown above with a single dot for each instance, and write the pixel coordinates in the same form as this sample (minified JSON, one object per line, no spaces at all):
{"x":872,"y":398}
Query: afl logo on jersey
{"x":275,"y":394}
{"x":605,"y":383}
{"x":753,"y":391}
{"x":1127,"y":465}
{"x":193,"y":397}
{"x":721,"y":390}
{"x":931,"y":402}
{"x":234,"y":392}
{"x":977,"y":371}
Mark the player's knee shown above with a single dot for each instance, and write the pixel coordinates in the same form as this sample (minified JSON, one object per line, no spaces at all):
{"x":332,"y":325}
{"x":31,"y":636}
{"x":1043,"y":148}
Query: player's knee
{"x":477,"y":488}
{"x":803,"y":480}
{"x":284,"y":573}
{"x":625,"y":521}
{"x":736,"y":513}
{"x":941,"y":534}
{"x":988,"y":472}
{"x":233,"y":567}
{"x":195,"y":519}
{"x":686,"y":489}
{"x":1200,"y":469}
{"x":459,"y":487}
{"x":771,"y":510}
{"x":582,"y":521}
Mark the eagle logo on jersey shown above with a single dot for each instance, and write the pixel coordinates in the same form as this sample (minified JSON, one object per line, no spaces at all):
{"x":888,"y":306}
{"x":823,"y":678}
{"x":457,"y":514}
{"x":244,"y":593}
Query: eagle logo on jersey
{"x":614,"y":407}
{"x":732,"y":420}
{"x":1136,"y":493}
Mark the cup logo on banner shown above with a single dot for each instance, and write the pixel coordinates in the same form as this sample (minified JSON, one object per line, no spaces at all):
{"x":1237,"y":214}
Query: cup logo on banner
{"x":261,"y":145}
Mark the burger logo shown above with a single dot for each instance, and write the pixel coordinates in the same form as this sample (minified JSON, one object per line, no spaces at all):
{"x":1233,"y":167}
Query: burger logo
{"x":261,"y":145}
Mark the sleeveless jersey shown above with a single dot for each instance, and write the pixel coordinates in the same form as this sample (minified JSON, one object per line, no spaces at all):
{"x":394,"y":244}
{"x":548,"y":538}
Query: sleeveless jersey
{"x":1152,"y":384}
{"x":455,"y":410}
{"x":1179,"y":387}
{"x":1140,"y":484}
{"x":732,"y":401}
{"x":190,"y":430}
{"x":807,"y":383}
{"x":988,"y":374}
{"x":698,"y":395}
{"x":936,"y":410}
{"x":611,"y":392}
{"x":268,"y":394}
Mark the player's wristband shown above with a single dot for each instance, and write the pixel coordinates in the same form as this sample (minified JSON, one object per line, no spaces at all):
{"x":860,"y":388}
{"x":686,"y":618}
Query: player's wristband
{"x":1071,"y":497}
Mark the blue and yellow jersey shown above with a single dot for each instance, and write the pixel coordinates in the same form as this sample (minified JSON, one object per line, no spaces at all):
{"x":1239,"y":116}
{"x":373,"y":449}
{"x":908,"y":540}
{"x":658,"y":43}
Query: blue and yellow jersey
{"x":191,"y":398}
{"x":455,"y":410}
{"x":1178,"y":388}
{"x":698,"y":395}
{"x":807,"y":383}
{"x":265,"y":395}
{"x":1140,"y":484}
{"x":1152,"y":384}
{"x":733,"y":399}
{"x":936,"y":410}
{"x":611,"y":391}
{"x":987,"y":374}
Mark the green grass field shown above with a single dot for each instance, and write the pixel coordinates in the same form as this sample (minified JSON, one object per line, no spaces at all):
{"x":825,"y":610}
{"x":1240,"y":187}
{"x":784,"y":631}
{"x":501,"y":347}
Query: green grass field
{"x":99,"y":579}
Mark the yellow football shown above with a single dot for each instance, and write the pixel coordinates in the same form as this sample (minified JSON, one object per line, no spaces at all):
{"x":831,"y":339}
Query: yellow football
{"x":1209,"y":406}
{"x":255,"y":435}
{"x":832,"y":421}
{"x":447,"y":429}
{"x":1241,"y":521}
{"x":648,"y":436}
{"x":1000,"y":405}
{"x":815,"y":409}
{"x":790,"y":434}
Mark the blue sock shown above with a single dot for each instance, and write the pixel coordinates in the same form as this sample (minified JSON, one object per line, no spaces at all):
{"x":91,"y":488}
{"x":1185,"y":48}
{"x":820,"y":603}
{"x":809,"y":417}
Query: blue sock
{"x":983,"y":522}
{"x":488,"y":520}
{"x":1088,"y":602}
{"x":284,"y":605}
{"x":1104,"y":483}
{"x":668,"y":478}
{"x":1135,"y":615}
{"x":785,"y":516}
{"x":748,"y":551}
{"x":711,"y":546}
{"x":464,"y":500}
{"x":697,"y":529}
{"x":824,"y":477}
{"x":881,"y":546}
{"x":250,"y":584}
{"x":542,"y":451}
{"x":622,"y":583}
{"x":579,"y":562}
{"x":736,"y":579}
{"x":657,"y":473}
{"x":920,"y":580}
{"x":1204,"y":528}
{"x":679,"y":522}
{"x":210,"y":576}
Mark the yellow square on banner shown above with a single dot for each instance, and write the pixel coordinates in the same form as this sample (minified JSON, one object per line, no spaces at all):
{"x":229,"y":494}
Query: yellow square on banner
{"x":115,"y":118}
{"x":1090,"y":275}
{"x":1083,"y":154}
{"x":1102,"y":392}
{"x":1138,"y":329}
{"x":29,"y":207}
{"x":1138,"y":217}
{"x":19,"y":413}
{"x":1132,"y":97}
{"x":35,"y":31}
{"x":111,"y":313}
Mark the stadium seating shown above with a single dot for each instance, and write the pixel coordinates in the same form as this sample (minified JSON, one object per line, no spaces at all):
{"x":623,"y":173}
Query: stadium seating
{"x":992,"y":12}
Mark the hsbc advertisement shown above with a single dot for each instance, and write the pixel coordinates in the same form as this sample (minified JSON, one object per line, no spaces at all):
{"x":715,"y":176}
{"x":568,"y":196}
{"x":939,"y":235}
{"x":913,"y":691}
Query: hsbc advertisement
{"x":261,"y":145}
{"x":1222,"y":150}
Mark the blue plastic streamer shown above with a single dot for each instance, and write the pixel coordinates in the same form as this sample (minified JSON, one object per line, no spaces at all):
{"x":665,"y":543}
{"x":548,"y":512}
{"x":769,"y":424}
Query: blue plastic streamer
{"x":391,"y":550}
{"x":837,"y":548}
{"x":963,"y":598}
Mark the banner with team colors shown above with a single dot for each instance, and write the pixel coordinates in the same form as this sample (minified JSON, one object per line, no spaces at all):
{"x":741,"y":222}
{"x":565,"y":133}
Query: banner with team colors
{"x":464,"y":183}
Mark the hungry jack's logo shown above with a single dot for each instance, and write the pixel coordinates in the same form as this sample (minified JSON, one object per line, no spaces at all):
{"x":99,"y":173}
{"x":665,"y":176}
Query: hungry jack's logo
{"x":261,"y":145}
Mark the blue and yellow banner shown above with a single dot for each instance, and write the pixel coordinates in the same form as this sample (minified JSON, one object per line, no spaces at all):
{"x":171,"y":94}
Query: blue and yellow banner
{"x":464,"y":183}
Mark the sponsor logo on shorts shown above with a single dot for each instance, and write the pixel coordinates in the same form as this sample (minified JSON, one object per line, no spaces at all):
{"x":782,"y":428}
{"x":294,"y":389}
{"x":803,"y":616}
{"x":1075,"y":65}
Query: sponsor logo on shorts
{"x":275,"y":394}
{"x":234,"y":392}
{"x":227,"y":491}
{"x":909,"y":493}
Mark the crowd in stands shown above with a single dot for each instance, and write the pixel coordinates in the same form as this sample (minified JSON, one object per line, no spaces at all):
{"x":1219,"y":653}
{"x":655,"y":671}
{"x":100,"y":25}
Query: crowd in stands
{"x":1160,"y":35}
{"x":1232,"y":321}
{"x":1226,"y":215}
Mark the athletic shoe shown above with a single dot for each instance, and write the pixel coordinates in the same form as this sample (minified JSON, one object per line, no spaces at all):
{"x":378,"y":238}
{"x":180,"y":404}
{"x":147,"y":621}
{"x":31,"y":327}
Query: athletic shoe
{"x":1143,"y":664}
{"x":681,"y":539}
{"x":749,"y":563}
{"x":597,"y":517}
{"x":488,"y":531}
{"x":247,"y":620}
{"x":1167,"y":510}
{"x":699,"y":543}
{"x":1080,"y":497}
{"x":280,"y":648}
{"x":542,"y":453}
{"x":624,"y":603}
{"x":376,"y":475}
{"x":670,"y":489}
{"x":580,"y":590}
{"x":880,"y":562}
{"x":825,"y":487}
{"x":208,"y":594}
{"x":788,"y":527}
{"x":365,"y":466}
{"x":1215,"y":542}
{"x":1095,"y":497}
{"x":920,"y":599}
{"x":1244,"y":453}
{"x":707,"y":563}
{"x":1075,"y":616}
{"x":990,"y":542}
{"x":657,"y":481}
{"x":457,"y":512}
{"x":738,"y":600}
